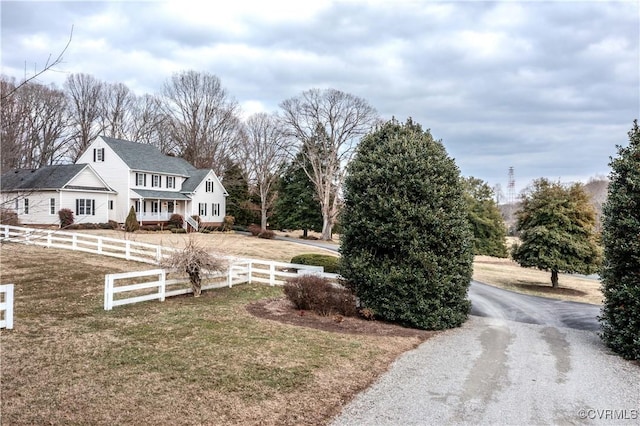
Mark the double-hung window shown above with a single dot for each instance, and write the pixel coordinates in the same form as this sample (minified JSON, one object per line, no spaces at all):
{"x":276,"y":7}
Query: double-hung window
{"x":85,"y":207}
{"x":141,"y":179}
{"x":26,"y":206}
{"x":202,"y":209}
{"x":209,"y":187}
{"x":155,"y":181}
{"x":52,"y":206}
{"x":171,"y":181}
{"x":215,"y":209}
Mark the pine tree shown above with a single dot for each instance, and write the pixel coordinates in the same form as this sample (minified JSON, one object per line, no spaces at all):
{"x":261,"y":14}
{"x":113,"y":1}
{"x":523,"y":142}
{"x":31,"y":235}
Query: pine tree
{"x":557,"y":224}
{"x":297,"y":206}
{"x":406,"y":244}
{"x":238,"y":203}
{"x":489,"y":229}
{"x":621,"y":268}
{"x":131,"y":222}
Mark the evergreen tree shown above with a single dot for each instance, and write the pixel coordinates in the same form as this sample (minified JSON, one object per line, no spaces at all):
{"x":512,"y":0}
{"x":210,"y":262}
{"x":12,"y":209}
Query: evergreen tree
{"x":621,"y":268}
{"x":557,"y":225}
{"x":239,"y":204}
{"x":406,"y":244}
{"x":131,"y":222}
{"x":297,"y":206}
{"x":489,"y":229}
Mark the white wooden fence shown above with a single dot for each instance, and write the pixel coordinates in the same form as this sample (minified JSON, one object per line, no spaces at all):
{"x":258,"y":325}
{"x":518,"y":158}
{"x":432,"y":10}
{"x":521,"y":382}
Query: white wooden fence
{"x":123,"y":249}
{"x":6,"y":306}
{"x":241,"y":271}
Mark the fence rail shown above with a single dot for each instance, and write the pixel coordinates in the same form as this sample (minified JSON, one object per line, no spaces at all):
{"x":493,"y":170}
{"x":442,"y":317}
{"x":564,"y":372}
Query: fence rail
{"x":241,"y":271}
{"x":123,"y":249}
{"x":6,"y":306}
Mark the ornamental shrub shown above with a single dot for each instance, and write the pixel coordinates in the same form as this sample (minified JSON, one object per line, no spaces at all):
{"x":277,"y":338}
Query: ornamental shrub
{"x":328,"y":262}
{"x":406,"y":244}
{"x":131,"y":223}
{"x":66,"y":217}
{"x":620,"y":273}
{"x":176,"y":220}
{"x":9,"y":217}
{"x":314,"y":293}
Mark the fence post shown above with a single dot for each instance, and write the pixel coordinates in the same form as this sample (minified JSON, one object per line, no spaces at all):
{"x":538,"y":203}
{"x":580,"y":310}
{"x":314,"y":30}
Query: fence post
{"x":272,"y":274}
{"x":127,"y":250}
{"x":49,"y":239}
{"x":163,"y":285}
{"x":108,"y":292}
{"x":250,"y":271}
{"x":158,"y":254}
{"x":8,"y":310}
{"x":27,"y":237}
{"x":6,"y":232}
{"x":99,"y":245}
{"x":74,"y":241}
{"x":229,"y":276}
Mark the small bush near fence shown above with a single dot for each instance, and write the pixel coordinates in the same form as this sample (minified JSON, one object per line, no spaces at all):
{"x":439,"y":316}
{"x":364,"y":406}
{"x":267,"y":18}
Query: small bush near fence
{"x":9,"y":217}
{"x":179,"y":231}
{"x":331,"y":264}
{"x":66,"y":217}
{"x":310,"y":292}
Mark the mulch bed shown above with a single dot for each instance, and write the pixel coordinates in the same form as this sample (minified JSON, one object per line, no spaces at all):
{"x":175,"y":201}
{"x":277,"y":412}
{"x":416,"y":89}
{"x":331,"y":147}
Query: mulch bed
{"x":283,"y":310}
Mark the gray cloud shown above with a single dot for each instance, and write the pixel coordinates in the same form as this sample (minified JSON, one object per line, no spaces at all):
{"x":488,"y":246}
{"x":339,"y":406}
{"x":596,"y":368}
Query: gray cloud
{"x":547,"y":87}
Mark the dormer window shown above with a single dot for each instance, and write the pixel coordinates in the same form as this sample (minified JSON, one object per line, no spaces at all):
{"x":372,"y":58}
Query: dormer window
{"x":155,"y":181}
{"x":171,"y":182}
{"x":98,"y":155}
{"x":209,"y":187}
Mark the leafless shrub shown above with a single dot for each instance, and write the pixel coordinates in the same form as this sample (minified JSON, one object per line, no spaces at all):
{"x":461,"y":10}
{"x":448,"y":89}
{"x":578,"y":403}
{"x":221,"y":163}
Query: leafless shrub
{"x":195,"y":261}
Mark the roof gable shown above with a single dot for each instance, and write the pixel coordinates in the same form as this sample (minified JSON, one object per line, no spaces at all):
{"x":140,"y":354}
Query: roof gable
{"x":48,"y":177}
{"x":146,"y":157}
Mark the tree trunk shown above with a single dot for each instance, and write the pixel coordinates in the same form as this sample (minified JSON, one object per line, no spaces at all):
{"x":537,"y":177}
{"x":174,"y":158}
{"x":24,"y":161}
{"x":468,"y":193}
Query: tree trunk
{"x":263,"y":216}
{"x":326,"y":227}
{"x":196,"y":283}
{"x":554,"y":279}
{"x":305,"y":233}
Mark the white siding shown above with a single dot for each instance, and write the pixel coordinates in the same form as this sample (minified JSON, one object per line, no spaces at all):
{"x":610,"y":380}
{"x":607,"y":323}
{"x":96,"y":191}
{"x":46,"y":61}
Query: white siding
{"x":86,"y":178}
{"x":115,"y":173}
{"x":39,"y":207}
{"x":68,"y":201}
{"x":200,"y":196}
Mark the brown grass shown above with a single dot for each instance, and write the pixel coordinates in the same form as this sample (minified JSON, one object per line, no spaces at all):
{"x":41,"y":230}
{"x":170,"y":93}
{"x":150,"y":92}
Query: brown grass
{"x":507,"y":274}
{"x":227,"y":243}
{"x":187,"y":360}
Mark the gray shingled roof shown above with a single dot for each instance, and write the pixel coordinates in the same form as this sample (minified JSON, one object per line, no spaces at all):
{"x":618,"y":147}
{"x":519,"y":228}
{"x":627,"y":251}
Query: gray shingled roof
{"x":195,"y":177}
{"x":160,"y":195}
{"x":145,"y":157}
{"x":48,"y":177}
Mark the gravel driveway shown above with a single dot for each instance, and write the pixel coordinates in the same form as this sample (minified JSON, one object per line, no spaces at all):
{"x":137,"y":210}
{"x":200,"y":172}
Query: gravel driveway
{"x":498,"y":371}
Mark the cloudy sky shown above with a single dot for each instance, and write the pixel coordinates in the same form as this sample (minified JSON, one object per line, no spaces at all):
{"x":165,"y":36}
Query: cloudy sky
{"x":548,"y":87}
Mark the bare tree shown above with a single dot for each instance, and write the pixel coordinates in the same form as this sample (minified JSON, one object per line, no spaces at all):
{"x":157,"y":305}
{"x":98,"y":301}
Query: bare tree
{"x":34,"y":126}
{"x":13,"y":125}
{"x":84,"y":92}
{"x":195,"y":261}
{"x":49,"y":64}
{"x":202,"y":118}
{"x":328,"y":123}
{"x":149,"y":123}
{"x":264,"y":153}
{"x":116,"y":103}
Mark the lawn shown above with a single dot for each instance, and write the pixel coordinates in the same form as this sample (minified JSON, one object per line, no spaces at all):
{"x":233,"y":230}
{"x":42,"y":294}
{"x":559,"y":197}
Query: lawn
{"x":183,"y":361}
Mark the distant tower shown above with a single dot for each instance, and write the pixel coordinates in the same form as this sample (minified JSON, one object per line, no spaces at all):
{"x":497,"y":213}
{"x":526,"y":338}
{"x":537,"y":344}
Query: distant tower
{"x":511,"y":187}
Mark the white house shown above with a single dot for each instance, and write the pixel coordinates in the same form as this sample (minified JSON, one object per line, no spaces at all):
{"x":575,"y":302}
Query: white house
{"x":119,"y":174}
{"x":38,"y":194}
{"x":156,"y":185}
